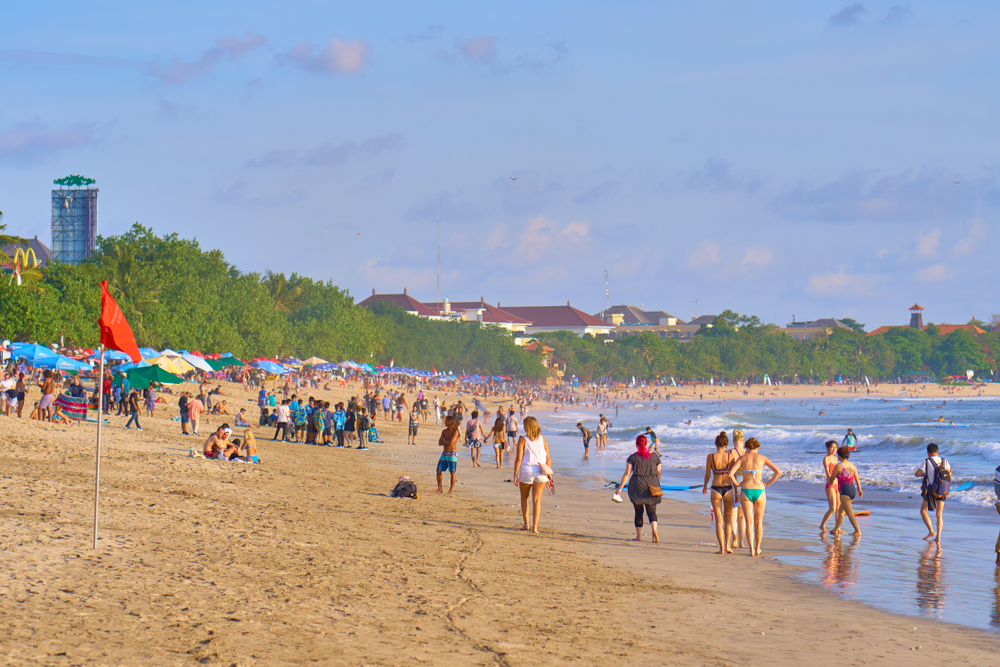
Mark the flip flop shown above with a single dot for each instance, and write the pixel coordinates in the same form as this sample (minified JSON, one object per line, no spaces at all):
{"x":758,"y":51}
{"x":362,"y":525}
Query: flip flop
{"x":551,"y":486}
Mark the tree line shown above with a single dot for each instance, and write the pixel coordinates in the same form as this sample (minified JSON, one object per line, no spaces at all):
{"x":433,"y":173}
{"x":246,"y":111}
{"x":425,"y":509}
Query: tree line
{"x":176,"y":294}
{"x":740,"y":347}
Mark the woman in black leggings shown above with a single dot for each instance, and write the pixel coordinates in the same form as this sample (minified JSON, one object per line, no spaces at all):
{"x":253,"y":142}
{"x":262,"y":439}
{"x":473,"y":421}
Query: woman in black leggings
{"x":643,"y":471}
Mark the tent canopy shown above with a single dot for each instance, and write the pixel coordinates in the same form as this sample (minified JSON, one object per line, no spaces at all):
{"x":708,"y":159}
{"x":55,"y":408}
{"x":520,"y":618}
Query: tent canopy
{"x":141,"y":378}
{"x":315,"y":361}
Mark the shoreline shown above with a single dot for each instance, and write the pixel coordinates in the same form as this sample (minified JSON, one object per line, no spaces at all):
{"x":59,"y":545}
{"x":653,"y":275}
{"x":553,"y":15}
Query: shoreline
{"x":305,"y":558}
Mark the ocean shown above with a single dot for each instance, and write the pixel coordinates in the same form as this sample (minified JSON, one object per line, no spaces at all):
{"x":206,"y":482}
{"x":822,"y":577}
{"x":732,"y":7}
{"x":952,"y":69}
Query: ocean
{"x":889,"y":566}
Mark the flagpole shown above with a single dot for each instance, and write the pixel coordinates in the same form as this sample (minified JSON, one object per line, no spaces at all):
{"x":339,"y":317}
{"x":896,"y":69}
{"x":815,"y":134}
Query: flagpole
{"x":97,"y":473}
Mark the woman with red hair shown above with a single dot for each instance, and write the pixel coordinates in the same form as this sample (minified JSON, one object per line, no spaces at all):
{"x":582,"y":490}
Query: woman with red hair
{"x":642,"y":470}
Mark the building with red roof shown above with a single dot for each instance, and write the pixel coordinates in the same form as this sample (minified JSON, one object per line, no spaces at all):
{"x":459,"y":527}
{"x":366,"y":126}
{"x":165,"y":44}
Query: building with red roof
{"x":917,"y":322}
{"x":404,"y":301}
{"x":546,"y":319}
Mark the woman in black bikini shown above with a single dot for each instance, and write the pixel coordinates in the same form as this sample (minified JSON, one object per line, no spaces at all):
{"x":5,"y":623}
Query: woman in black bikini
{"x":717,"y":466}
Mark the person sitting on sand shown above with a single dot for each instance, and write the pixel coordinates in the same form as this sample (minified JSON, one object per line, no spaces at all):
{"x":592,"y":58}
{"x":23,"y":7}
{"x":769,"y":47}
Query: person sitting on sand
{"x":216,"y":443}
{"x":753,"y":499}
{"x":221,"y":409}
{"x":449,"y":453}
{"x":849,"y":487}
{"x":250,"y":448}
{"x":59,"y":418}
{"x":723,"y":494}
{"x":232,"y":450}
{"x":241,"y":419}
{"x":35,"y":413}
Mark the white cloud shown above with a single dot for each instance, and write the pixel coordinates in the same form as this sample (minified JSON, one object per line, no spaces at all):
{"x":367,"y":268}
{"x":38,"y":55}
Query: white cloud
{"x":481,"y":49}
{"x":927,"y":244}
{"x":499,"y":237}
{"x":706,"y":253}
{"x":756,"y":257}
{"x":227,"y":47}
{"x":843,"y":284}
{"x":932,"y":274}
{"x":973,"y":241}
{"x":339,"y":57}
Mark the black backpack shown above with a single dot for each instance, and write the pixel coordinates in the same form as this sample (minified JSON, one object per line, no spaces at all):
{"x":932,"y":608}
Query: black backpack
{"x":942,"y":480}
{"x":405,"y":489}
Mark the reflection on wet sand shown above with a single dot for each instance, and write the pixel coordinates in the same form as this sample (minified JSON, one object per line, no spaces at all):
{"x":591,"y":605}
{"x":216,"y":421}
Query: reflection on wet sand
{"x":840,"y":569}
{"x":995,"y":609}
{"x":930,"y":581}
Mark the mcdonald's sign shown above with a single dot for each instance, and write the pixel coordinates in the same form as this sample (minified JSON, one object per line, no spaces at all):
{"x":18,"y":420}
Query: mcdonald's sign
{"x":22,"y":256}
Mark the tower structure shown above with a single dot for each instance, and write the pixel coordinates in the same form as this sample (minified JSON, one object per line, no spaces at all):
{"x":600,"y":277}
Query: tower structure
{"x":916,"y":317}
{"x":74,"y":219}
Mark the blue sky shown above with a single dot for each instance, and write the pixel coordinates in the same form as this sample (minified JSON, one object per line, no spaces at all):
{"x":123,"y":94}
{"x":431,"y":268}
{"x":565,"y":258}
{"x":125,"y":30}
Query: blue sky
{"x":774,"y":158}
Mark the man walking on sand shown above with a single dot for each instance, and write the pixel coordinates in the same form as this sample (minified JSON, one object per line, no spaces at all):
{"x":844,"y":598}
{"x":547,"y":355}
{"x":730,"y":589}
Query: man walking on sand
{"x":933,"y":466}
{"x":511,"y":429}
{"x":449,"y":453}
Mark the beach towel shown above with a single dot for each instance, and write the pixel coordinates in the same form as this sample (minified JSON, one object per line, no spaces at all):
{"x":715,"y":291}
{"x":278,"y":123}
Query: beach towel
{"x":73,"y":408}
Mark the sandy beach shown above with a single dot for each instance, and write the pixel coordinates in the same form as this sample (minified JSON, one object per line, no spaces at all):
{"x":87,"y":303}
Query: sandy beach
{"x":306,"y":559}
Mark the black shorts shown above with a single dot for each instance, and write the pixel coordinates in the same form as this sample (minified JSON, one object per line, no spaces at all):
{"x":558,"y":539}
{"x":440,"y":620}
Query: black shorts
{"x":412,"y":431}
{"x":511,"y":434}
{"x":327,"y":432}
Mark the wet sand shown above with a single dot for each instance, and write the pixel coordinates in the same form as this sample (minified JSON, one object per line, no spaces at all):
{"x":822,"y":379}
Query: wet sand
{"x":305,"y":558}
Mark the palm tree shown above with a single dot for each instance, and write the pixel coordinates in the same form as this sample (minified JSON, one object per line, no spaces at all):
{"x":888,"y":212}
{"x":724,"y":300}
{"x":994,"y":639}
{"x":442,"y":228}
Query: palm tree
{"x":284,"y":294}
{"x":128,"y":281}
{"x":6,"y":240}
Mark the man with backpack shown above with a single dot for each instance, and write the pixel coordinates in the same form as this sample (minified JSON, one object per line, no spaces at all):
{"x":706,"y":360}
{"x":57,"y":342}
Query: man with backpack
{"x":936,"y":472}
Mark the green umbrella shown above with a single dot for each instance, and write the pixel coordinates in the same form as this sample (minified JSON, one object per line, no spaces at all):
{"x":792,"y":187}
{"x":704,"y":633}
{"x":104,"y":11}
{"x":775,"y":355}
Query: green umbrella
{"x":224,"y":362}
{"x":140,"y":378}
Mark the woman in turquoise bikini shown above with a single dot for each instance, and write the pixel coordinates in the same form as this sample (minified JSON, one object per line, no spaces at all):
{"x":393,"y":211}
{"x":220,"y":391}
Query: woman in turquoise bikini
{"x":752,"y":496}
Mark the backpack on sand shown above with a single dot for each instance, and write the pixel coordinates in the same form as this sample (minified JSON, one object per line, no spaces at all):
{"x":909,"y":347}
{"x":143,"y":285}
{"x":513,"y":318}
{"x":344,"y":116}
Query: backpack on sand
{"x":405,"y":489}
{"x":942,"y":480}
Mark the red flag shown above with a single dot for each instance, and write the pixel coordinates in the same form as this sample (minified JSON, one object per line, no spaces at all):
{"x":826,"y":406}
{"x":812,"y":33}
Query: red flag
{"x":116,"y":334}
{"x":434,"y":370}
{"x":392,"y":362}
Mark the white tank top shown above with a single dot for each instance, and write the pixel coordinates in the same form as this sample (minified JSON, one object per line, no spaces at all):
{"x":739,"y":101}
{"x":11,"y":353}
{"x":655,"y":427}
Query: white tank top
{"x":534,"y":452}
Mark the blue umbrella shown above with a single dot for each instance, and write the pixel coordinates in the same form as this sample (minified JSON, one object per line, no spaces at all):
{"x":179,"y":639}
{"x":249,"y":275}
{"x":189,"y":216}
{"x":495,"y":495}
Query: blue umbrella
{"x":271,"y":367}
{"x":31,"y":351}
{"x":61,"y":363}
{"x":129,"y":366}
{"x":148,"y":352}
{"x":111,"y":355}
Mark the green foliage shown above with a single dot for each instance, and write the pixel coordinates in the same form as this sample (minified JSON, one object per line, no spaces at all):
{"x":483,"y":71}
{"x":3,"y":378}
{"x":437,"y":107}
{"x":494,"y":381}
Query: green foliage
{"x":456,"y":346}
{"x":854,"y":324}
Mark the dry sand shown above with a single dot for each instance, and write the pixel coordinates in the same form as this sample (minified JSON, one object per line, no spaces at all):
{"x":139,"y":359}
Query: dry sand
{"x":305,"y":559}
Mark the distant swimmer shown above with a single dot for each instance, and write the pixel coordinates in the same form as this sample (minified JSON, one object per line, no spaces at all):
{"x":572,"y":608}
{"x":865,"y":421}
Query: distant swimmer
{"x":822,"y":413}
{"x":850,"y":441}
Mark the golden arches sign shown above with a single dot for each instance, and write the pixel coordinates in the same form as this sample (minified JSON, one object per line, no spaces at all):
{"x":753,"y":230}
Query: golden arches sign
{"x":22,"y":256}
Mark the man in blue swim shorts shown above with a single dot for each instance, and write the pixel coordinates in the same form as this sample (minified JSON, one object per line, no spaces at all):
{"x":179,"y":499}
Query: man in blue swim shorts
{"x":449,"y":454}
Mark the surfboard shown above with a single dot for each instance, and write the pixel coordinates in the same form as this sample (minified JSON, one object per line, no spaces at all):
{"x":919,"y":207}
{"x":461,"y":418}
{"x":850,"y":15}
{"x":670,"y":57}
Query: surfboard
{"x":963,"y":487}
{"x":667,"y":487}
{"x":862,"y":512}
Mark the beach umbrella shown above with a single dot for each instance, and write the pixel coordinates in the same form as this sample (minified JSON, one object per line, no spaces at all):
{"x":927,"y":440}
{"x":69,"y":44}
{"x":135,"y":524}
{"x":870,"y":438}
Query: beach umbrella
{"x":315,"y":361}
{"x":175,"y":365}
{"x":60,"y":363}
{"x":111,"y":355}
{"x":197,"y":354}
{"x":140,"y":378}
{"x":224,"y":362}
{"x":129,"y":366}
{"x":30,"y":351}
{"x":197,"y":362}
{"x":271,"y":367}
{"x":213,"y":356}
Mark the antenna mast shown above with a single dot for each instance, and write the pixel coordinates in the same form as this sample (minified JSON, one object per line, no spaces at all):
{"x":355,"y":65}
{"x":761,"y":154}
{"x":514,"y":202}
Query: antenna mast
{"x":607,"y":293}
{"x":438,"y":302}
